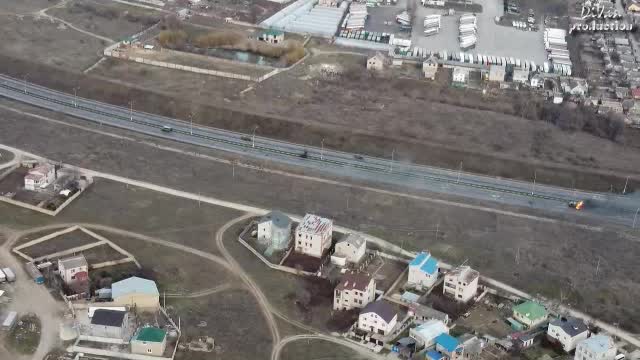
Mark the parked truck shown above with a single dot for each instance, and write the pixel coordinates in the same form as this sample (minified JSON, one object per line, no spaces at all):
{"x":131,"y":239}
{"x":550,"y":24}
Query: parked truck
{"x":9,"y":321}
{"x":35,"y":274}
{"x":11,"y":277}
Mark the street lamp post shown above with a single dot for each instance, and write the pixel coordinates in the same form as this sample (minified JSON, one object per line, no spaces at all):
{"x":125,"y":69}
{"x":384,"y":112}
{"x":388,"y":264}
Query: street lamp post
{"x":322,"y":149}
{"x":131,"y":110}
{"x":393,"y":153}
{"x":191,"y":123}
{"x":459,"y":171}
{"x":253,"y":137}
{"x":75,"y":96}
{"x":635,"y":218}
{"x":25,"y":83}
{"x":624,"y":191}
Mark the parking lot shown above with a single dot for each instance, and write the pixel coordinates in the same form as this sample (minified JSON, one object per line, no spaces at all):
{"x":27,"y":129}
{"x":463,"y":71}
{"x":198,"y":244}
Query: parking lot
{"x":493,"y":39}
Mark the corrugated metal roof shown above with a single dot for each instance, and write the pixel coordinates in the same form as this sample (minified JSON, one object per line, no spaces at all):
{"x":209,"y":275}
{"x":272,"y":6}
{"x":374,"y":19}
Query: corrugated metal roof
{"x":434,"y":355}
{"x":531,"y":310}
{"x":598,"y":344}
{"x":430,"y":266}
{"x":151,"y":334}
{"x":419,"y":259}
{"x":134,"y":285}
{"x":447,"y":341}
{"x":431,"y":329}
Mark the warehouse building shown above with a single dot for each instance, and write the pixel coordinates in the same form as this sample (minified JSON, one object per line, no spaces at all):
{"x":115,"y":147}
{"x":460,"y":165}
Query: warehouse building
{"x":136,"y":292}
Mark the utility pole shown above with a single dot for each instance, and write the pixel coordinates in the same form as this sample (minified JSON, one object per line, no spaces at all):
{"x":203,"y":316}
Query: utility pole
{"x":131,"y":109}
{"x":437,"y":229}
{"x":533,"y":187}
{"x":393,"y":153}
{"x":322,"y":149}
{"x":459,"y":171}
{"x":191,"y":123}
{"x":75,"y":96}
{"x":635,"y":217}
{"x":253,"y":137}
{"x":25,"y":83}
{"x":624,"y":191}
{"x":233,"y":169}
{"x":598,"y":267}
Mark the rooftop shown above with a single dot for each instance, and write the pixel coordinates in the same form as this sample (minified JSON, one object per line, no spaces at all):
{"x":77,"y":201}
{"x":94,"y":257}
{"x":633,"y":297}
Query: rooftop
{"x":598,"y":343}
{"x":531,"y":310}
{"x":313,"y":224}
{"x":464,"y":273}
{"x":150,"y":334}
{"x":431,"y":329}
{"x":570,"y":325}
{"x":426,"y":262}
{"x":381,"y":308}
{"x":277,"y":218}
{"x":108,"y":317}
{"x":354,"y":239}
{"x":354,"y":281}
{"x":132,"y":285}
{"x":447,"y":341}
{"x":73,"y":262}
{"x":434,"y":355}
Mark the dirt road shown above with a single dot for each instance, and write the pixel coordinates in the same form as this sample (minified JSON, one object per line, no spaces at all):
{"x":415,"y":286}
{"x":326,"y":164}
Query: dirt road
{"x":367,"y":354}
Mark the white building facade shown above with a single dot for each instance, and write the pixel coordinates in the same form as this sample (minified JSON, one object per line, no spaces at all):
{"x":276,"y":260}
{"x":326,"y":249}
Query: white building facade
{"x":423,"y":271}
{"x":354,"y":291}
{"x":274,"y":230}
{"x":461,"y":283}
{"x":425,"y":334}
{"x":568,"y":332}
{"x":378,"y":318}
{"x":39,"y":177}
{"x":73,"y":268}
{"x":313,"y":235}
{"x":350,"y":249}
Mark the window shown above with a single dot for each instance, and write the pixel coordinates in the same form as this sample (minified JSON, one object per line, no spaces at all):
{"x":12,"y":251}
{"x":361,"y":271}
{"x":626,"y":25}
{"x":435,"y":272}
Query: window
{"x":149,"y":351}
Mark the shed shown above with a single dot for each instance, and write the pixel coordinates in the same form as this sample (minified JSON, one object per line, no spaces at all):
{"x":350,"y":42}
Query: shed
{"x":149,"y":341}
{"x":109,"y":324}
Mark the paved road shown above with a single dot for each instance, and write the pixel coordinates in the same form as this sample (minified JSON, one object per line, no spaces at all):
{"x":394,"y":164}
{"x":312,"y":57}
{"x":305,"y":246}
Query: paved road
{"x":609,"y":207}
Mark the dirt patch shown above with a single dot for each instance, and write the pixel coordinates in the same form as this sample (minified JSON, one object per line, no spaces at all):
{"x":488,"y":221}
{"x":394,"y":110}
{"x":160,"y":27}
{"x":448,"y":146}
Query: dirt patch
{"x":245,"y":336}
{"x":110,"y":19}
{"x":318,"y":350}
{"x":48,"y":43}
{"x":59,"y":243}
{"x":22,"y":7}
{"x":25,"y":336}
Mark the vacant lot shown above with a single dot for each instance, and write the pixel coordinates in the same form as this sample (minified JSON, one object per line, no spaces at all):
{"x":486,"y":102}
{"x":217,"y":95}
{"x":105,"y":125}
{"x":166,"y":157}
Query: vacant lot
{"x":48,"y":43}
{"x":552,"y":256}
{"x":58,"y":243}
{"x":5,"y":156}
{"x":149,"y":213}
{"x":110,"y":19}
{"x":25,"y":336}
{"x":23,"y":7}
{"x":318,"y":350}
{"x":232,"y":318}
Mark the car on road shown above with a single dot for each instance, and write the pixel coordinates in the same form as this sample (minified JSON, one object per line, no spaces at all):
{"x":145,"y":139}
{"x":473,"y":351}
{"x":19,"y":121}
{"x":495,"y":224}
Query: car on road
{"x":167,"y":129}
{"x":358,"y":157}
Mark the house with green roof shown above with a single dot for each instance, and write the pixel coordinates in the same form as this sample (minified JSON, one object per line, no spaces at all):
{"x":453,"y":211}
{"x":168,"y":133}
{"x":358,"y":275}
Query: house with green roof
{"x":530,"y":313}
{"x":149,"y":341}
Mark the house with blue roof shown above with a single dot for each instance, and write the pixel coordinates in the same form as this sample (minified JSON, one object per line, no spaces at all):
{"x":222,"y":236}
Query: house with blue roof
{"x":449,"y":346}
{"x":597,"y":347}
{"x":434,"y":355}
{"x":423,"y":271}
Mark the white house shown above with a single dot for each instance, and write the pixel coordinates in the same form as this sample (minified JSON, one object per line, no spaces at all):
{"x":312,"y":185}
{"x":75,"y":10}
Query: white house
{"x":423,"y":271}
{"x":567,"y":331}
{"x":376,"y":62}
{"x":378,"y":317}
{"x":350,"y":249}
{"x":313,"y":235}
{"x":530,"y":313}
{"x":598,"y":347}
{"x":274,"y":230}
{"x":460,"y":75}
{"x":426,"y":334}
{"x":39,"y":177}
{"x":73,"y":269}
{"x":272,"y":36}
{"x":521,"y":76}
{"x":537,"y":81}
{"x":356,"y":290}
{"x":497,"y":73}
{"x":461,"y":283}
{"x":430,"y":68}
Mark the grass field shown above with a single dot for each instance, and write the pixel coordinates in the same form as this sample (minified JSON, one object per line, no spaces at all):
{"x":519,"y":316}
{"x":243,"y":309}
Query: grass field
{"x":5,"y":156}
{"x":110,"y":19}
{"x":22,"y":7}
{"x":318,"y":350}
{"x":25,"y":336}
{"x":232,"y":319}
{"x":48,"y":43}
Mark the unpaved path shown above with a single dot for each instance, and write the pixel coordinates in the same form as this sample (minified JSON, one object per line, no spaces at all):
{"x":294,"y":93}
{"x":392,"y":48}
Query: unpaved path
{"x":365,"y":353}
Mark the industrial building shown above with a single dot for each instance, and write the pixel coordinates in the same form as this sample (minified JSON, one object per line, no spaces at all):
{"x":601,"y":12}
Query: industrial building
{"x":303,"y":16}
